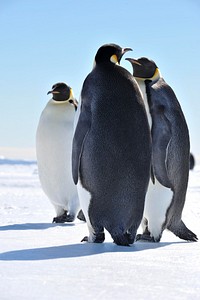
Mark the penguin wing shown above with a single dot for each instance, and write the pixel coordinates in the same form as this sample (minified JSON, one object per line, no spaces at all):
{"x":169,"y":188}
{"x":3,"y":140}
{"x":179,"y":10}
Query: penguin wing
{"x":82,"y":129}
{"x":161,"y":136}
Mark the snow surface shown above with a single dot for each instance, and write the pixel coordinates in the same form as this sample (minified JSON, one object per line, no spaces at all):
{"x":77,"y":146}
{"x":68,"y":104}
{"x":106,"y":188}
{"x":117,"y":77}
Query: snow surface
{"x":41,"y":260}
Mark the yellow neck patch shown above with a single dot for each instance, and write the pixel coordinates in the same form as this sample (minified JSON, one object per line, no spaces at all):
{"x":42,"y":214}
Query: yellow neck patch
{"x":156,"y":75}
{"x":114,"y":59}
{"x":71,"y":95}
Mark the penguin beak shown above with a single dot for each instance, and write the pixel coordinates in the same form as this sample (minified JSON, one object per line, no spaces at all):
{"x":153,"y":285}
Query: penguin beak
{"x":124,"y":50}
{"x":133,"y":61}
{"x":53,"y":92}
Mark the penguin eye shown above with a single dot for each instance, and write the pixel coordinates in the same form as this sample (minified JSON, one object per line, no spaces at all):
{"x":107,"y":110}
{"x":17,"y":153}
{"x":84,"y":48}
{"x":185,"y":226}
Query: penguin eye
{"x":71,"y":101}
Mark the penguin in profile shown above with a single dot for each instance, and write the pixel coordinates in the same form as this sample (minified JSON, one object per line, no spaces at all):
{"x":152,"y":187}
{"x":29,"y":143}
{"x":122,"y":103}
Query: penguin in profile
{"x":54,"y":149}
{"x":111,"y":153}
{"x":170,"y":155}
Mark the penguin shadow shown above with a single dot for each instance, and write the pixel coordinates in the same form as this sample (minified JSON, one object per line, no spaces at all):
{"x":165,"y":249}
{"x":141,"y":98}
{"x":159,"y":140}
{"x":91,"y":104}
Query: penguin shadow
{"x":77,"y":250}
{"x":33,"y":226}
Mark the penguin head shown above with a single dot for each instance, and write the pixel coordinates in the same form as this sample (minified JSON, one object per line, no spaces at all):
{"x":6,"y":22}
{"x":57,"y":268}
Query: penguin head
{"x":144,"y":68}
{"x":63,"y":93}
{"x":110,"y":53}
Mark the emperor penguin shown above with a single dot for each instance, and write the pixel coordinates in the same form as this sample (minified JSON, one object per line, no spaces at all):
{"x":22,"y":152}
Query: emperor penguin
{"x":54,"y":149}
{"x":111,"y":151}
{"x":170,"y":155}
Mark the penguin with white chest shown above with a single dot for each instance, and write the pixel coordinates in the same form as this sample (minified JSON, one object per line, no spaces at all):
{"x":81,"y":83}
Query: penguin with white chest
{"x":170,"y":155}
{"x":54,"y":148}
{"x":111,"y":142}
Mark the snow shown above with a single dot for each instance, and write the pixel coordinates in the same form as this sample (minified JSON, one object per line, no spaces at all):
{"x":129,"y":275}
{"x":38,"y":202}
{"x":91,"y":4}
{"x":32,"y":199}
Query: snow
{"x":41,"y":260}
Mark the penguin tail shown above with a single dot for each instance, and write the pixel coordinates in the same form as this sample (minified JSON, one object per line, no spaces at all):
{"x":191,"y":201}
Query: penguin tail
{"x":122,"y":239}
{"x":183,"y":232}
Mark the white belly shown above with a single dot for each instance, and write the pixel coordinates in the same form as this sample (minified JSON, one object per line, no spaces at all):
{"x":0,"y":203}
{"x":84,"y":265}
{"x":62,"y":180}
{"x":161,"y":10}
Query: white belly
{"x":158,"y":197}
{"x":158,"y":200}
{"x":54,"y":149}
{"x":85,"y":198}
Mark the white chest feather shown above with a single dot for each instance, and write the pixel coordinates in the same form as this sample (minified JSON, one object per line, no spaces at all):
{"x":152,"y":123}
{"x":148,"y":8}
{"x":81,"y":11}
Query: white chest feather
{"x":54,"y":147}
{"x":158,"y":200}
{"x":55,"y":130}
{"x":144,"y":96}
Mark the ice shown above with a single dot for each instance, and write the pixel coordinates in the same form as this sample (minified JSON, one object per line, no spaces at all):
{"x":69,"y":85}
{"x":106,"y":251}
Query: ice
{"x":41,"y":260}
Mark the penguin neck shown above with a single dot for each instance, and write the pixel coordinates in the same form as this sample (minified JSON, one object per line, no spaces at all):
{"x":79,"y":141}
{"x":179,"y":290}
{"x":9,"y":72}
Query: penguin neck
{"x":142,"y":87}
{"x":157,"y":75}
{"x":61,"y":106}
{"x":60,"y":102}
{"x":60,"y":112}
{"x":107,"y":64}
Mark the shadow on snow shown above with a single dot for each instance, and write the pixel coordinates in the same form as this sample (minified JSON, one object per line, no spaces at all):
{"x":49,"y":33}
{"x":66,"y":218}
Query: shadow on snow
{"x":33,"y":226}
{"x":76,"y":250}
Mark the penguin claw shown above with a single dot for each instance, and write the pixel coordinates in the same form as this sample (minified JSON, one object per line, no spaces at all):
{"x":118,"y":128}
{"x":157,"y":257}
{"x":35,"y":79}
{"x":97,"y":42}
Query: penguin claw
{"x":191,"y":237}
{"x":85,"y":239}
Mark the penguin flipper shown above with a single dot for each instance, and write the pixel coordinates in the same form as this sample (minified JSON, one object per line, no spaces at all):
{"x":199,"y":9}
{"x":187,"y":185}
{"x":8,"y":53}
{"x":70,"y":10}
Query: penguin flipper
{"x":82,"y":129}
{"x":161,"y":133}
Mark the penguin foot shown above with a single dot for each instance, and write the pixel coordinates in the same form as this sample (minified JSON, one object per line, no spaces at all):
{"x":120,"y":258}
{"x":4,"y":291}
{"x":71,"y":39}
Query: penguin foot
{"x":98,"y":238}
{"x":85,"y":239}
{"x":64,"y":218}
{"x":58,"y":220}
{"x":70,"y":218}
{"x":81,"y":216}
{"x":145,"y":238}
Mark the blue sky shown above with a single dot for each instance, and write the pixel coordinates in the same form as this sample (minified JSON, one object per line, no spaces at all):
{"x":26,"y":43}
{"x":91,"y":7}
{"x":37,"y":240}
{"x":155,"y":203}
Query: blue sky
{"x":45,"y":41}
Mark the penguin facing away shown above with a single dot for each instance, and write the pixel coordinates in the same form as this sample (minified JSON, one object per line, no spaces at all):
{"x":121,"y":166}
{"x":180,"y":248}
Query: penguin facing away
{"x":170,"y":155}
{"x":54,"y":148}
{"x":109,"y":149}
